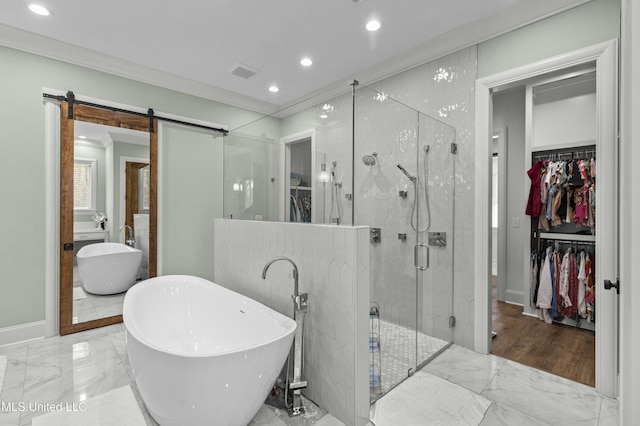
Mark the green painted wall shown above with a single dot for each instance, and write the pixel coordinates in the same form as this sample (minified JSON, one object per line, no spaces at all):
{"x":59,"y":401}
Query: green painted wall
{"x":585,"y":25}
{"x":192,"y":185}
{"x":22,"y":203}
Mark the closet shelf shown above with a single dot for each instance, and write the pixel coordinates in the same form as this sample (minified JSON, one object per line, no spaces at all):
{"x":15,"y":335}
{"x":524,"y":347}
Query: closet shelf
{"x":571,"y":237}
{"x":575,"y":145}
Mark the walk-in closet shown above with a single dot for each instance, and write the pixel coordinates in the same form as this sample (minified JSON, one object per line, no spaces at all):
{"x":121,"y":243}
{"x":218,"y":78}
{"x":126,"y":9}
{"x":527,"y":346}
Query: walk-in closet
{"x":546,"y":248}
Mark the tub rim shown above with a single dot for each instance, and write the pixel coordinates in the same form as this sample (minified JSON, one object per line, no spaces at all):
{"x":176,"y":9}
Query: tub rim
{"x":289,"y":325}
{"x":83,"y":255}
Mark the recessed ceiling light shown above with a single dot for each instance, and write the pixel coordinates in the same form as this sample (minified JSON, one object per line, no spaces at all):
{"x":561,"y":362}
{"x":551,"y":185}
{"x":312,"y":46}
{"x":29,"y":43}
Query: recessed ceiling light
{"x":373,"y":25}
{"x":323,"y":115}
{"x":39,"y":10}
{"x":274,"y":89}
{"x":306,"y":62}
{"x":82,"y":137}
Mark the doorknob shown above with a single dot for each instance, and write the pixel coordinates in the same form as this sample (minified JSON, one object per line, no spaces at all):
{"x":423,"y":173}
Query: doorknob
{"x":608,"y":285}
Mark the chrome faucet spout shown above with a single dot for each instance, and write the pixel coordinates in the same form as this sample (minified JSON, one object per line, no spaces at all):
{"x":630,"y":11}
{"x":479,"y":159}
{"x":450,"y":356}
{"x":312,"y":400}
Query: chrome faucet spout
{"x":295,"y":272}
{"x":132,"y":238}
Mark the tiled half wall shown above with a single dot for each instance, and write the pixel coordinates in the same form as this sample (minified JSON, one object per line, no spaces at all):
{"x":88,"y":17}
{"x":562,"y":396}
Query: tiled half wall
{"x":333,"y":264}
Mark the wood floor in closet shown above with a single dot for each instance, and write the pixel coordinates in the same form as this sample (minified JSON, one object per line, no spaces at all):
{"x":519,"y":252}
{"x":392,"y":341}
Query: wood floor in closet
{"x":559,"y":349}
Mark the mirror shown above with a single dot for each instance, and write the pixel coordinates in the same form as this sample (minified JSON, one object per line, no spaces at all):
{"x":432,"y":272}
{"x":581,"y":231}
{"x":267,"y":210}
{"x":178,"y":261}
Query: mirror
{"x":111,"y":204}
{"x":107,"y":195}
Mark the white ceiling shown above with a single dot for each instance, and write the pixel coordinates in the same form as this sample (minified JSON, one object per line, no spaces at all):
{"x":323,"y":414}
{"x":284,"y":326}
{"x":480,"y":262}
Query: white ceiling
{"x":192,"y":45}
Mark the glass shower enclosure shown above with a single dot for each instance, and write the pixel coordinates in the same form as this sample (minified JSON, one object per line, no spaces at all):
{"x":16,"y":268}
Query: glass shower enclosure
{"x":374,"y":162}
{"x":404,"y":190}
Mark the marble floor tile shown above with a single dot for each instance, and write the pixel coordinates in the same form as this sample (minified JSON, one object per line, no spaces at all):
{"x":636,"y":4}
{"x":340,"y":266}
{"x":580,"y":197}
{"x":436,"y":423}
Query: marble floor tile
{"x":89,"y":364}
{"x":67,"y":355}
{"x":329,"y":420}
{"x":115,"y":407}
{"x":544,"y":396}
{"x":78,"y":293}
{"x":609,"y":412}
{"x":425,"y":399}
{"x":72,"y":385}
{"x":13,"y":381}
{"x":9,"y":419}
{"x":3,"y":369}
{"x":466,"y":368}
{"x":501,"y":415}
{"x":268,"y":417}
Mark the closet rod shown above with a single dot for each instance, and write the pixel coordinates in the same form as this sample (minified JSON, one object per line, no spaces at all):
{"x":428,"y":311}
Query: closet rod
{"x":574,"y":242}
{"x":575,"y":152}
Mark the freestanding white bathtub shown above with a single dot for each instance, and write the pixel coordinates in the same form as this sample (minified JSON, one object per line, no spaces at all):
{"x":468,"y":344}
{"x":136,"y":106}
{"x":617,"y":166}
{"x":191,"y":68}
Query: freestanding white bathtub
{"x":202,"y":354}
{"x":108,"y":268}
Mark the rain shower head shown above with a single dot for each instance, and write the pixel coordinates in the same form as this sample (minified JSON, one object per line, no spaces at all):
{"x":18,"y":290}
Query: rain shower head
{"x":406,"y":173}
{"x":370,"y":160}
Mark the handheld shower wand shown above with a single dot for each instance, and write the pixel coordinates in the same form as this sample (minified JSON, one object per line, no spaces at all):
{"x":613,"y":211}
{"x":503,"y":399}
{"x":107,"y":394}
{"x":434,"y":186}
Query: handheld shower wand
{"x":414,"y":181}
{"x":406,"y":173}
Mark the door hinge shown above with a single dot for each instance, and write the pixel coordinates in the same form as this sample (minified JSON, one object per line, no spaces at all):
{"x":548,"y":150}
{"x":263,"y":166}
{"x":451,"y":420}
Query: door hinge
{"x":454,"y":148}
{"x":608,"y":285}
{"x":452,"y":321}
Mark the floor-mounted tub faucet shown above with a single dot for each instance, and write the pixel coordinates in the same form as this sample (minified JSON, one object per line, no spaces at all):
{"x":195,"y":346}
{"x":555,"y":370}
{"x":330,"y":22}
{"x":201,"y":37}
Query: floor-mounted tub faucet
{"x":132,"y":238}
{"x":299,"y":300}
{"x":299,"y":309}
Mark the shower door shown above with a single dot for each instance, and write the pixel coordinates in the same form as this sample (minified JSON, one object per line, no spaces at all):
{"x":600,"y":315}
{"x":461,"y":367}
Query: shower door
{"x":411,"y":287}
{"x":434,"y":249}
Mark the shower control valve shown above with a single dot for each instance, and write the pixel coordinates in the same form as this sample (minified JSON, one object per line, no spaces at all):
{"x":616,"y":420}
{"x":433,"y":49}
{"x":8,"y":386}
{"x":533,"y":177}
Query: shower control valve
{"x":402,"y":194}
{"x":301,"y":301}
{"x":438,"y":239}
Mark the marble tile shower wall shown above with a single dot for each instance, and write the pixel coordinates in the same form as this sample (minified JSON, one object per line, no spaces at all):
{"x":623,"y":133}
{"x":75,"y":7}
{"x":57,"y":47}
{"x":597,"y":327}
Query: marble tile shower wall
{"x":399,"y":135}
{"x":333,"y":265}
{"x":444,"y":89}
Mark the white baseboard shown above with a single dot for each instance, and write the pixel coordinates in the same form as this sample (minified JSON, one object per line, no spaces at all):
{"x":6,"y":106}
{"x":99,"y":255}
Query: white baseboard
{"x":22,"y":332}
{"x":514,"y":296}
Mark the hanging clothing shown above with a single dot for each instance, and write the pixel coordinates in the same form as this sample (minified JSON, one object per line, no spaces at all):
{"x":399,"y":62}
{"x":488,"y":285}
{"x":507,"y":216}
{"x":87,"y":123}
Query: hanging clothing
{"x":534,"y":204}
{"x":545,"y":290}
{"x":592,"y":208}
{"x":543,"y":223}
{"x":590,"y":296}
{"x":582,"y":287}
{"x":564,"y":280}
{"x":554,"y":312}
{"x":573,"y":287}
{"x":533,"y":278}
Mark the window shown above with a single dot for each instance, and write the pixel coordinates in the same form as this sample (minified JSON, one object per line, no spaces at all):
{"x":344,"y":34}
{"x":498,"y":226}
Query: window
{"x":85,"y":185}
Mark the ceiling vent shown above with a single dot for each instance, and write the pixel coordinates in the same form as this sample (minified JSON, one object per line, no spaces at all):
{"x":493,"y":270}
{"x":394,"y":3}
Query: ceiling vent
{"x":243,"y":70}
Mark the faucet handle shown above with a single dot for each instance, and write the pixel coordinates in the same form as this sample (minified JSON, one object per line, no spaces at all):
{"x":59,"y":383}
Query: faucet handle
{"x":301,"y":302}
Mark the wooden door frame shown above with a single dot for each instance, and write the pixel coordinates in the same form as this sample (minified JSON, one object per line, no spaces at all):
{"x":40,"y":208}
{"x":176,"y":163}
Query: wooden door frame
{"x":116,"y":119}
{"x":605,"y":56}
{"x":131,"y":185}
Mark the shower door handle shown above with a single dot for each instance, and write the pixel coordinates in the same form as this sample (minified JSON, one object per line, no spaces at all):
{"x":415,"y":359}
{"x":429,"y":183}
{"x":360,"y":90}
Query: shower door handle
{"x":416,"y":249}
